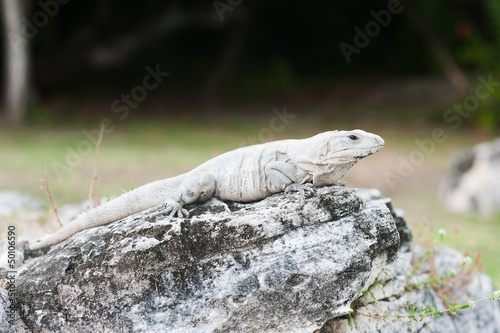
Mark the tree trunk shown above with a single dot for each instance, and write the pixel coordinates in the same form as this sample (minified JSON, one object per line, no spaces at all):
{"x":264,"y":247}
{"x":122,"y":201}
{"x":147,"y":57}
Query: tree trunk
{"x":16,"y":60}
{"x":224,"y":63}
{"x":454,"y":74}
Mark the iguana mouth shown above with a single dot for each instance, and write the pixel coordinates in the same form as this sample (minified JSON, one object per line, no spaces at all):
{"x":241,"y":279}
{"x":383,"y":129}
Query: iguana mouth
{"x":371,"y":147}
{"x":378,"y":147}
{"x":365,"y":151}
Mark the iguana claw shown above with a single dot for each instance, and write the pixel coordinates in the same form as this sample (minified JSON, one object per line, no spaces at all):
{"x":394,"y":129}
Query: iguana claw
{"x":174,"y":209}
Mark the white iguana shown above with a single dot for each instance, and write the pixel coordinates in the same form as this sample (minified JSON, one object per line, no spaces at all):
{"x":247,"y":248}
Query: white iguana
{"x":245,"y":174}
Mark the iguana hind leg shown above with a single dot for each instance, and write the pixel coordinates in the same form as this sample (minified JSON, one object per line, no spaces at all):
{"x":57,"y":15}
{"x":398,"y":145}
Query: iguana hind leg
{"x":197,"y":187}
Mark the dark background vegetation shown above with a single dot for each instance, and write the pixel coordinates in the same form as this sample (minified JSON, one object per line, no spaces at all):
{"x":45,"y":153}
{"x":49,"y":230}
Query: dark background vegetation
{"x":262,"y":51}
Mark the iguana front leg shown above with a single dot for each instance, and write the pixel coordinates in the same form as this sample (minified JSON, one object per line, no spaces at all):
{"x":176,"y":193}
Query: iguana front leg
{"x":285,"y":176}
{"x":196,"y":187}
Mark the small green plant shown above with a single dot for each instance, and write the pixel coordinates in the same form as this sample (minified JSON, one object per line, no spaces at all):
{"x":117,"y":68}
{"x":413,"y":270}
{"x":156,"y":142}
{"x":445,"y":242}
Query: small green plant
{"x":441,"y":233}
{"x":441,"y":284}
{"x":125,"y":191}
{"x":351,"y":321}
{"x":418,"y":314}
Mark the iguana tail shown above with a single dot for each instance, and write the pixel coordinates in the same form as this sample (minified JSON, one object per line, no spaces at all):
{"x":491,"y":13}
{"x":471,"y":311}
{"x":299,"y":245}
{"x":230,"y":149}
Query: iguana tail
{"x":144,"y":197}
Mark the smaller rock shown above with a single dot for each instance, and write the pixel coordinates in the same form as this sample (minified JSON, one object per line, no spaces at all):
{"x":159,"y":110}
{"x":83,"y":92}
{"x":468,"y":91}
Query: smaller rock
{"x":473,"y":183}
{"x":12,"y":202}
{"x":16,"y":255}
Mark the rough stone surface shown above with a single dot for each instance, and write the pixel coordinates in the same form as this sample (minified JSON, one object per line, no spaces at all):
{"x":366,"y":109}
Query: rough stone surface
{"x":283,"y":264}
{"x":473,"y":183}
{"x":483,"y":317}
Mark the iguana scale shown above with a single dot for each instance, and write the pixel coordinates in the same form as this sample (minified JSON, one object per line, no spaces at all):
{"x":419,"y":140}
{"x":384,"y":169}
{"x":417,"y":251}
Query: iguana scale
{"x":245,"y":174}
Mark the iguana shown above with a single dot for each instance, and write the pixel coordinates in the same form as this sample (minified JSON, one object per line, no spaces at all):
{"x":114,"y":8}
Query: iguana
{"x":245,"y":174}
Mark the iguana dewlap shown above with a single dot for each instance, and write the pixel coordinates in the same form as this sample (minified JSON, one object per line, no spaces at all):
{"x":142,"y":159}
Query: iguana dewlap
{"x":245,"y":174}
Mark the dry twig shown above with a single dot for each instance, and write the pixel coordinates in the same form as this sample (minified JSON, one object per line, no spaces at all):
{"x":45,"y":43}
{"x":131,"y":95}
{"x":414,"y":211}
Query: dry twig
{"x":94,"y":176}
{"x":45,"y":182}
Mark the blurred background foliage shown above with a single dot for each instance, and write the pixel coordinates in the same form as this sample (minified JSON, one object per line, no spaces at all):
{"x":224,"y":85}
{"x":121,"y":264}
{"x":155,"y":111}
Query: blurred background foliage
{"x":252,"y":52}
{"x":481,"y":52}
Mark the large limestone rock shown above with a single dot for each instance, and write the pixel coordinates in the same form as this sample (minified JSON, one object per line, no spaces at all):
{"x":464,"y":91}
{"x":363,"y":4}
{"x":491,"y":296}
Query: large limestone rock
{"x":473,"y":183}
{"x":284,"y":264}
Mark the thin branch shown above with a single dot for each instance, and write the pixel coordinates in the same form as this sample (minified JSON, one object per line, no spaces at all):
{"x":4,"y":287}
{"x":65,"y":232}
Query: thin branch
{"x":45,"y":182}
{"x":16,"y":60}
{"x":224,"y":63}
{"x":454,"y":74}
{"x":94,"y":176}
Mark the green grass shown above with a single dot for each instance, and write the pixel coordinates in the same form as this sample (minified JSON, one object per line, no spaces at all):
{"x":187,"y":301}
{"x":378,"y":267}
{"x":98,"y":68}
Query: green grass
{"x":469,"y":233}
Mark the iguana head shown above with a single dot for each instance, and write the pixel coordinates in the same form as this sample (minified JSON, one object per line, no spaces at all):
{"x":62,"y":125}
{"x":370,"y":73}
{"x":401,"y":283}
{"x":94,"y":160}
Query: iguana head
{"x":329,"y":155}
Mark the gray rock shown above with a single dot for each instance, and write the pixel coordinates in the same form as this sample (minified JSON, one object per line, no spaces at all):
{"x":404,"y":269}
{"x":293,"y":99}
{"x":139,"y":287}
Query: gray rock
{"x":473,"y":183}
{"x":16,"y":255}
{"x":373,"y":196}
{"x":283,"y":264}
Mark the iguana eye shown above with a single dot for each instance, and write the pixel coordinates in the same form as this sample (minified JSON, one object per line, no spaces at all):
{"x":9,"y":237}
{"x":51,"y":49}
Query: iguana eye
{"x":353,"y":137}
